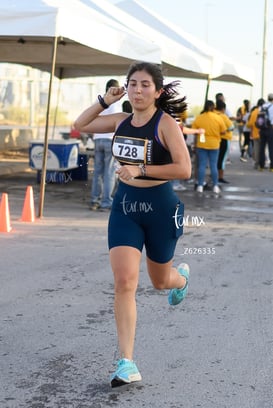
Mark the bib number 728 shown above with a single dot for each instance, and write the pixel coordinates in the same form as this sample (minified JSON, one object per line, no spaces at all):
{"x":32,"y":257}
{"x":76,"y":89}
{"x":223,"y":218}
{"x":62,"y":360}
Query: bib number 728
{"x":129,"y":150}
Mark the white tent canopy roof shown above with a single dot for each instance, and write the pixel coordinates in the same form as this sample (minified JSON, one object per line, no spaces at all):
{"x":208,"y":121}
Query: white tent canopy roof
{"x":217,"y":66}
{"x":90,"y":43}
{"x":177,"y":58}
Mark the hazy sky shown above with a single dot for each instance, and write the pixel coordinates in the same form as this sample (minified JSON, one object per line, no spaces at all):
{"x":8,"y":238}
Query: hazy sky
{"x":235,"y":28}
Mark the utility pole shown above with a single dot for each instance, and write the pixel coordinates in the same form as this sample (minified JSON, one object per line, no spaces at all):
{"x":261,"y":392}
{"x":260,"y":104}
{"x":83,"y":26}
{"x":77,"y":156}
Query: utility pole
{"x":264,"y":54}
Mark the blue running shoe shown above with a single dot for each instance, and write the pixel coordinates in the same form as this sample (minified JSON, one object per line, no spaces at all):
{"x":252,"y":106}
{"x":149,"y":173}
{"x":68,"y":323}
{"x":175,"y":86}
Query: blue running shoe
{"x":126,"y":373}
{"x":177,"y":295}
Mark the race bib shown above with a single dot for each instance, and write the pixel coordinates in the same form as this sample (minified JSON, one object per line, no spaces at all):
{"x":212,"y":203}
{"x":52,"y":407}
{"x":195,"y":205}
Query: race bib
{"x":130,"y":150}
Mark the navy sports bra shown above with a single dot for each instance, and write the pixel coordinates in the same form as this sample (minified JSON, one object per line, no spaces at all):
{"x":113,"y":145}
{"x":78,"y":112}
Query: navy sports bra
{"x":138,"y":145}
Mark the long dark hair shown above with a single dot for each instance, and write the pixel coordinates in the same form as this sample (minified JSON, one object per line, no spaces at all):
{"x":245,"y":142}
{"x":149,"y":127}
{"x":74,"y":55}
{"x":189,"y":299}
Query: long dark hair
{"x":168,"y":101}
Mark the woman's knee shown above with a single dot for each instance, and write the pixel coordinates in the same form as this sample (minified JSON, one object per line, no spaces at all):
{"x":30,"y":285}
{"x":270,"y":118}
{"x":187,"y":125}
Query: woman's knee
{"x":125,"y":265}
{"x":125,"y":282}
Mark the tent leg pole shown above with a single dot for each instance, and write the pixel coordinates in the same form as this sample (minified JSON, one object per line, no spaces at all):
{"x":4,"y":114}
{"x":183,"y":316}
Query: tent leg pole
{"x":207,"y":89}
{"x":43,"y":175}
{"x":57,"y":103}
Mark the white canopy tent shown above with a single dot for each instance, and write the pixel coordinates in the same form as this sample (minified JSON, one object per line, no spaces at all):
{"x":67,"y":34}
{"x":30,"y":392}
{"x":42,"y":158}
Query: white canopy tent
{"x":67,"y":39}
{"x":89,"y":43}
{"x":177,"y":59}
{"x":219,"y":67}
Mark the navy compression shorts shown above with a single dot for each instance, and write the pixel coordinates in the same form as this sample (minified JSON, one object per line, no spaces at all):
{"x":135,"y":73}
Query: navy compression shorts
{"x":151,"y":217}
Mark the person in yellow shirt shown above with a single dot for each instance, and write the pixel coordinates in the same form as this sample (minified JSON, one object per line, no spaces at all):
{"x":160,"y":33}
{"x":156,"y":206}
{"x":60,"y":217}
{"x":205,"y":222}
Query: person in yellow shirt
{"x":255,"y":132}
{"x":207,"y":144}
{"x":241,"y":112}
{"x":225,"y":140}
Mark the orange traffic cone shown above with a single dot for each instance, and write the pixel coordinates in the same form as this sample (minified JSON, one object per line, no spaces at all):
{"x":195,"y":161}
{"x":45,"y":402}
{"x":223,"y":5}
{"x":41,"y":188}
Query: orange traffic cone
{"x":28,"y":213}
{"x":4,"y":214}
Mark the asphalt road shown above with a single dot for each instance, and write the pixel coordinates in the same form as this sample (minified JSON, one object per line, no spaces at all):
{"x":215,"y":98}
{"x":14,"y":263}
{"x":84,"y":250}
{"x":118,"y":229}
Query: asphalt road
{"x":57,"y":332}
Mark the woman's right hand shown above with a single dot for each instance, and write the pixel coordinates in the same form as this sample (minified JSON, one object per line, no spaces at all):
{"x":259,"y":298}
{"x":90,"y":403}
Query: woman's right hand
{"x":114,"y":94}
{"x":128,"y":172}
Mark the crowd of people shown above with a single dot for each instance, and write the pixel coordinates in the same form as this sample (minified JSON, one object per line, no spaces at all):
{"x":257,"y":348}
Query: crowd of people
{"x":256,"y":143}
{"x":214,"y":129}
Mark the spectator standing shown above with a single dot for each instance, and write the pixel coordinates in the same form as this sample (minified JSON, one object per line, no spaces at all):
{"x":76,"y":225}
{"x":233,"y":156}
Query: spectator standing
{"x":220,"y":97}
{"x":241,"y":111}
{"x":207,"y":145}
{"x":225,"y":140}
{"x":266,"y":136}
{"x":255,"y":132}
{"x":178,"y":185}
{"x":104,"y":177}
{"x":246,"y":148}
